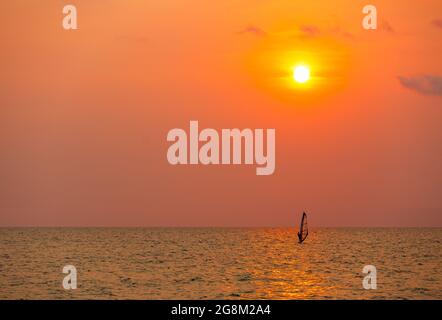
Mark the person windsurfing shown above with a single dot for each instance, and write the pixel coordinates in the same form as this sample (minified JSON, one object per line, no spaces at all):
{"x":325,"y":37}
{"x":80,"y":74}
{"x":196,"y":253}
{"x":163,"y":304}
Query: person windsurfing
{"x":303,"y":229}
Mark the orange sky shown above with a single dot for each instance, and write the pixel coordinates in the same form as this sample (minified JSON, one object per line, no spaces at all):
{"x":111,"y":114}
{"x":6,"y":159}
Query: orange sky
{"x":84,"y":114}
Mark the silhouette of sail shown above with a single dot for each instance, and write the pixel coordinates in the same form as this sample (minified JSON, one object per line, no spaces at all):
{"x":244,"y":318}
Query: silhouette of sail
{"x":303,"y":229}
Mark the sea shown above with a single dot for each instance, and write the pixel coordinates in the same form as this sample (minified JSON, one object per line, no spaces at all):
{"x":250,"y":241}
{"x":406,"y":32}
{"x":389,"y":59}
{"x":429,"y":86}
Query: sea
{"x":220,"y":263}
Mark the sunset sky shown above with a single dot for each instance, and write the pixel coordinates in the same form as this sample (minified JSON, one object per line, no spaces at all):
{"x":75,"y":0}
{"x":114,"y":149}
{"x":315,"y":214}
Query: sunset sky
{"x":84,"y":113}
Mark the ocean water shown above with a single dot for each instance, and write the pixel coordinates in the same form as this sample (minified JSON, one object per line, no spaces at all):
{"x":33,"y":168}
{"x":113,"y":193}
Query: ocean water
{"x":220,"y":263}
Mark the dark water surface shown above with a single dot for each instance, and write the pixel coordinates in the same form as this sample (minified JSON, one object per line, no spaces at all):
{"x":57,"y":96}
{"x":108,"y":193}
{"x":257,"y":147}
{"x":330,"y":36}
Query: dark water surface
{"x":218,"y":263}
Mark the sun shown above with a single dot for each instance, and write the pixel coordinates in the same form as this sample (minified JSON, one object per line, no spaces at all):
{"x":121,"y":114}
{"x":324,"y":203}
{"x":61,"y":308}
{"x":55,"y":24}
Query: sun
{"x":301,"y":74}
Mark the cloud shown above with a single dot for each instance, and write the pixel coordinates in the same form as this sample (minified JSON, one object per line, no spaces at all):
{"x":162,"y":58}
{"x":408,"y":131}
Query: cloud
{"x":310,"y":30}
{"x":437,"y":23}
{"x":387,"y":27}
{"x":337,"y":31}
{"x":425,"y":84}
{"x":253,"y":30}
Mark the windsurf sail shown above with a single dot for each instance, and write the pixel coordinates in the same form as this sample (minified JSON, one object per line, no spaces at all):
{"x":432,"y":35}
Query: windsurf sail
{"x":303,"y":228}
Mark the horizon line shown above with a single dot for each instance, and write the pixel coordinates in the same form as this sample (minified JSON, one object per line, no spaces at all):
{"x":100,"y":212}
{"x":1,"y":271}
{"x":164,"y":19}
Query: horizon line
{"x":214,"y":227}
